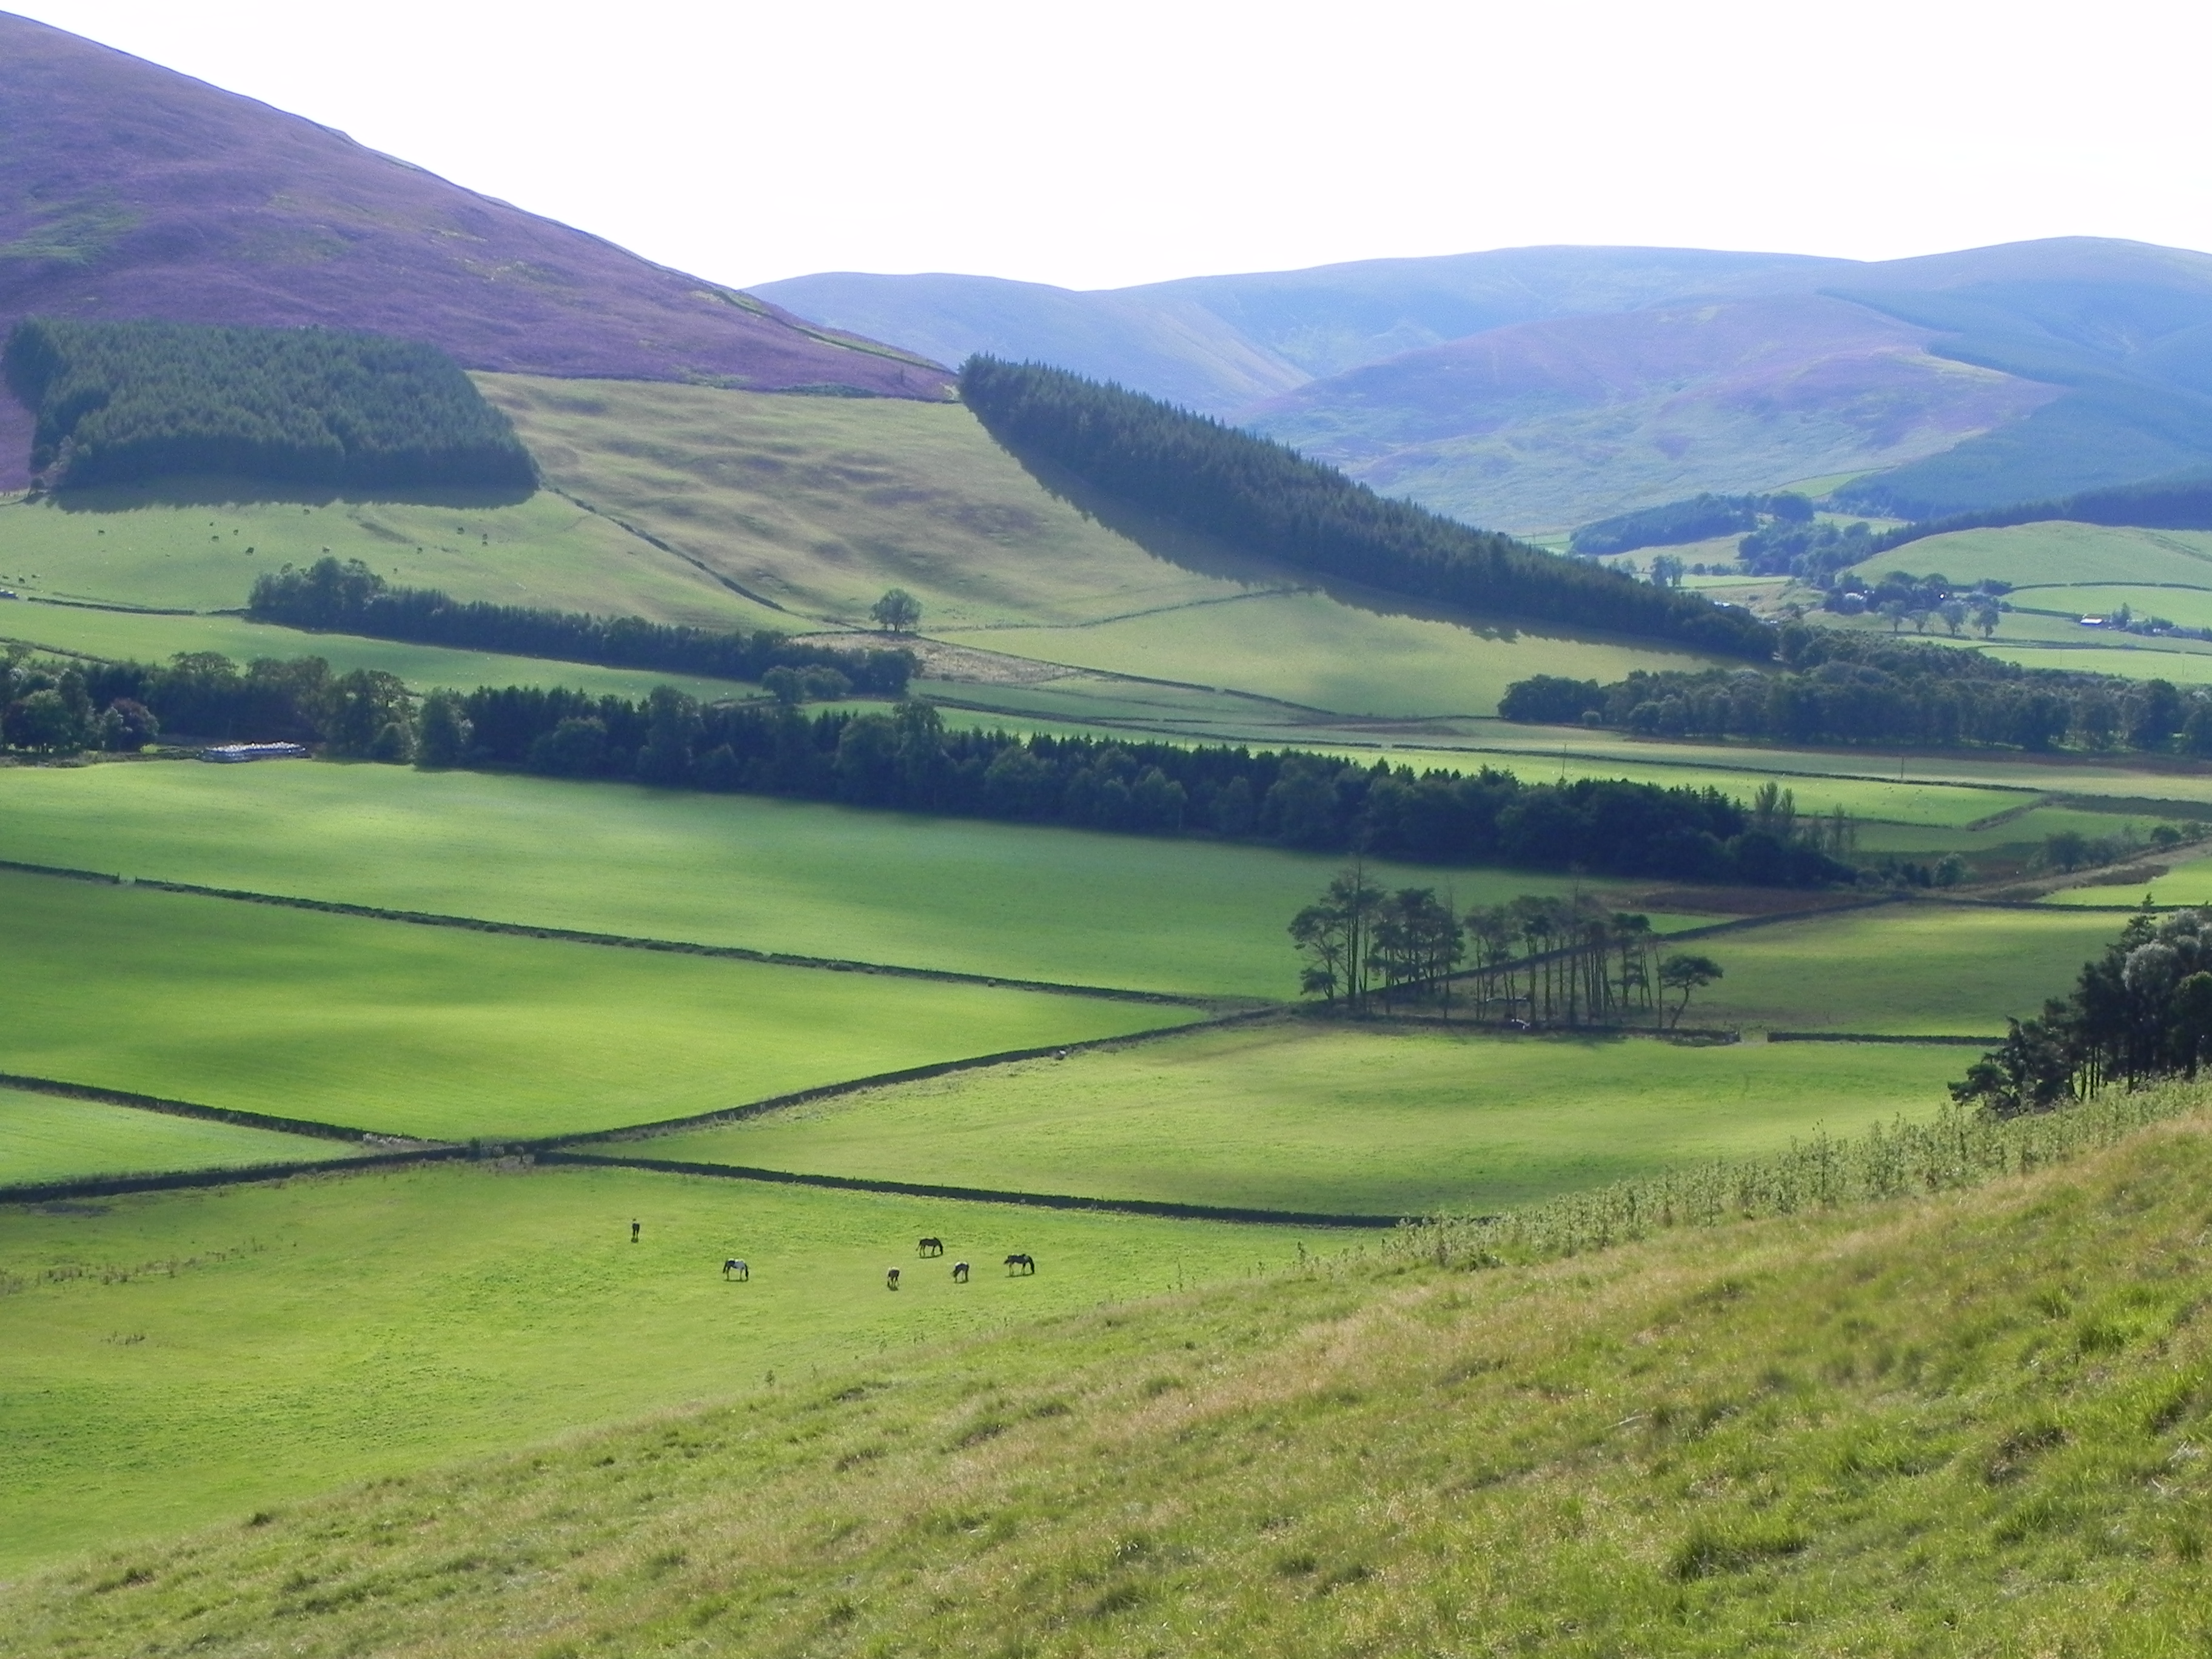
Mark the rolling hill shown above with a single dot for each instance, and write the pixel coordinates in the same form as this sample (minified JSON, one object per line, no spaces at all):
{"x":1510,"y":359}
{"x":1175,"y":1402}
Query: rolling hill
{"x":134,"y":191}
{"x":1536,"y":389}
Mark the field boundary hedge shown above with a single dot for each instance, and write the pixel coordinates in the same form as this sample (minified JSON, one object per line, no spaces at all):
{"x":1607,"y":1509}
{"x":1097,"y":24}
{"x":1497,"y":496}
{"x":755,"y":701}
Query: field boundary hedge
{"x":1882,"y":1037}
{"x":222,"y":1175}
{"x":983,"y":1195}
{"x":615,"y":941}
{"x":290,"y":1126}
{"x":752,"y":1108}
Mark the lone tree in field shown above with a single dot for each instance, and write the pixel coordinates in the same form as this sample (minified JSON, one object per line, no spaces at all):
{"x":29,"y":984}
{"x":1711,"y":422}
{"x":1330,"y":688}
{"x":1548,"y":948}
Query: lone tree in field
{"x":898,"y":612}
{"x":1686,"y":972}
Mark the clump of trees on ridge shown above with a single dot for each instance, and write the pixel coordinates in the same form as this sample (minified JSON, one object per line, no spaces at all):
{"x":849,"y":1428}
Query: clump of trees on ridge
{"x":351,"y":599}
{"x":1842,"y":687}
{"x":1697,"y":519}
{"x":1537,"y":961}
{"x":2140,"y":1012}
{"x":1268,"y":499}
{"x":119,"y":401}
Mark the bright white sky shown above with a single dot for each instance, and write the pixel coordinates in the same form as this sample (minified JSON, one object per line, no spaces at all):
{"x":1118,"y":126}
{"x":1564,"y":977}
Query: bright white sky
{"x":1098,"y":142}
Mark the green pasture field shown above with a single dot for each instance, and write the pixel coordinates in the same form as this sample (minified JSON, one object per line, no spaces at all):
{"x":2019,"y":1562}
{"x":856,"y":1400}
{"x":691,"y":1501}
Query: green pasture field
{"x":1912,"y":968}
{"x":2138,"y":659}
{"x":153,"y":546}
{"x":1309,"y":650}
{"x":1069,"y":906}
{"x":2187,"y":880}
{"x":118,"y":635}
{"x":168,"y":1360}
{"x":449,"y":1034}
{"x":2056,"y":551}
{"x":2191,"y":607}
{"x":2029,"y":830}
{"x":1097,"y":701}
{"x":42,"y":1138}
{"x":821,"y":503}
{"x":1315,"y":1117}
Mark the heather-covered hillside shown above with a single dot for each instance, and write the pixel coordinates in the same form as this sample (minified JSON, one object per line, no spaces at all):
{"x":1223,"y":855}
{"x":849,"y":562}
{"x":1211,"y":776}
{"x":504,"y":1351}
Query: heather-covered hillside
{"x":134,"y":191}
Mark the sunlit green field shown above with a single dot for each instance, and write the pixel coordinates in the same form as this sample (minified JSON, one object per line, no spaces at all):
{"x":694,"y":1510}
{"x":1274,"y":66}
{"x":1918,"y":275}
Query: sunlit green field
{"x":1912,"y":968}
{"x":445,"y":1033}
{"x":2136,"y":659}
{"x":2057,"y":551}
{"x":2192,"y":607}
{"x":1325,"y":1118}
{"x":1073,"y":906}
{"x":2187,"y":880}
{"x":1309,"y":649}
{"x":153,"y":546}
{"x":144,"y":637}
{"x":43,"y":1139}
{"x":172,"y":1359}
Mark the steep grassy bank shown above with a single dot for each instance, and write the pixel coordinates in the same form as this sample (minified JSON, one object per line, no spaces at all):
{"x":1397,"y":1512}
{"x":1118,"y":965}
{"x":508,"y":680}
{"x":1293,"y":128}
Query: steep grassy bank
{"x":1967,"y":1425}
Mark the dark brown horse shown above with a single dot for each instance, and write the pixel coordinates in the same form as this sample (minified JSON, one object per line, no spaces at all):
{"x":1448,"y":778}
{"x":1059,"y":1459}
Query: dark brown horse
{"x":929,"y":1247}
{"x":1021,"y":1263}
{"x":890,"y":1280}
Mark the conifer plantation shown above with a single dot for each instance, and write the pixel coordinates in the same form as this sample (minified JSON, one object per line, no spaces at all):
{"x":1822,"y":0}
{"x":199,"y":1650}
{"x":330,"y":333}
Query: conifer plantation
{"x":121,"y":403}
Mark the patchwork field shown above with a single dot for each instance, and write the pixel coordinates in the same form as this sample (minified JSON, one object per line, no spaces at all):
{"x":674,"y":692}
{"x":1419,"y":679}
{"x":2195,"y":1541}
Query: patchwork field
{"x":143,"y":636}
{"x":449,"y":1034}
{"x":2187,"y":880}
{"x":821,"y":503}
{"x":1914,"y":969}
{"x":1331,"y":1119}
{"x":149,"y":546}
{"x":1073,"y":906}
{"x":168,"y":1360}
{"x":2057,"y":551}
{"x":45,"y":1139}
{"x":1311,"y":650}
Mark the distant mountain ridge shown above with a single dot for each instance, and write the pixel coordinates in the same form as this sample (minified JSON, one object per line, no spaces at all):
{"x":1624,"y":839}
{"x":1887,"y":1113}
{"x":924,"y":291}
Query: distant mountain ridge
{"x":1535,"y":389}
{"x":129,"y":191}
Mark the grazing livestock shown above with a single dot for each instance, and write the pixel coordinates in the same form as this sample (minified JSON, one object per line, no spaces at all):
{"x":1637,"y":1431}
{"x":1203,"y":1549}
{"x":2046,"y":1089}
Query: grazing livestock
{"x":632,"y":1232}
{"x":890,"y":1280}
{"x":929,"y":1247}
{"x":734,"y":1266}
{"x":960,"y":1273}
{"x":1021,"y":1263}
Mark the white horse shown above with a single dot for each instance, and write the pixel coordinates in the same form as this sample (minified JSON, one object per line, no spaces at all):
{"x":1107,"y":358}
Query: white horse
{"x":734,"y":1266}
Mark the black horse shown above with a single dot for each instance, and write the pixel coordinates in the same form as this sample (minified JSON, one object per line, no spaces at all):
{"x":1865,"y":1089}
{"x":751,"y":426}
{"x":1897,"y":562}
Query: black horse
{"x":929,"y":1247}
{"x":960,"y":1273}
{"x":890,"y":1280}
{"x":1021,"y":1263}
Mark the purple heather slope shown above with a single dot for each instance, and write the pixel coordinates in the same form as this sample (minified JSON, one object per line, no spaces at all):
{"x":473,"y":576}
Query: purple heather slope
{"x":127,"y":189}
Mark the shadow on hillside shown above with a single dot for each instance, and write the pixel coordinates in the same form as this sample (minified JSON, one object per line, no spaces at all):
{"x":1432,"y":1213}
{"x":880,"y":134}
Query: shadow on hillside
{"x":203,"y":490}
{"x":1204,"y":556}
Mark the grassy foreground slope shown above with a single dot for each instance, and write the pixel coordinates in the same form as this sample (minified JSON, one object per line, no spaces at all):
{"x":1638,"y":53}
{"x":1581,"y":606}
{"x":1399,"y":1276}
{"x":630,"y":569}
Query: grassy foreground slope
{"x":1963,"y":1426}
{"x":1074,"y":907}
{"x":1332,"y":1118}
{"x":449,"y":1034}
{"x":44,"y":1137}
{"x":175,"y":1360}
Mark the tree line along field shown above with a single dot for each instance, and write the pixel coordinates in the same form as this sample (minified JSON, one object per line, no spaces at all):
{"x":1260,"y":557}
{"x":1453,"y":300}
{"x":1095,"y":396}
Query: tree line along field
{"x":43,"y":1139}
{"x":141,"y":636}
{"x":1947,"y":1425}
{"x":156,"y":545}
{"x":1322,"y":1117}
{"x":1071,"y":907}
{"x":449,"y":1034}
{"x":172,"y":1360}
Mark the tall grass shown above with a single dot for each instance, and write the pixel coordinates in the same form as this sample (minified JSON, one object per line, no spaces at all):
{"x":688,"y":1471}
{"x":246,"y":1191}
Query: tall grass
{"x":1955,"y":1149}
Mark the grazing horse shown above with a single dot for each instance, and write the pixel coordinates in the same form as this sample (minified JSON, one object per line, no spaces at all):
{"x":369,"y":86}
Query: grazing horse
{"x":1021,"y":1263}
{"x":929,"y":1247}
{"x":890,"y":1280}
{"x":734,"y":1266}
{"x":960,"y":1273}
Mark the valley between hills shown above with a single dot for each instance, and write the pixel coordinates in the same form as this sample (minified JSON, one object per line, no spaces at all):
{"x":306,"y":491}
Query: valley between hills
{"x":921,"y":964}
